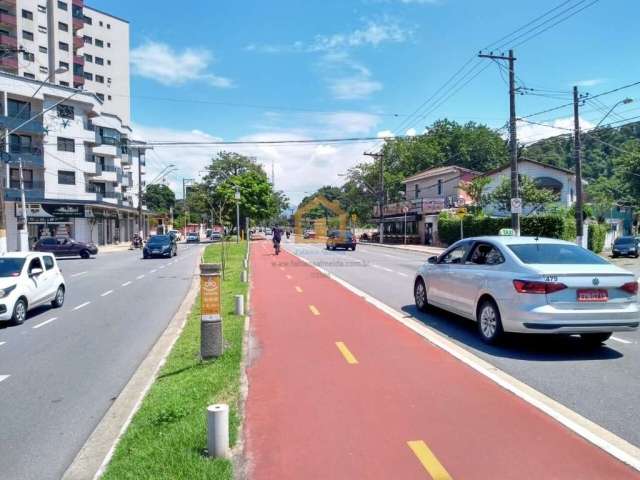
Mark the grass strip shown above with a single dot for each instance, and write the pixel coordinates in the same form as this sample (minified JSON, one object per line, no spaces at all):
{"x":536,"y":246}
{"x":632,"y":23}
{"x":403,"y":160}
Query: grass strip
{"x":167,"y":437}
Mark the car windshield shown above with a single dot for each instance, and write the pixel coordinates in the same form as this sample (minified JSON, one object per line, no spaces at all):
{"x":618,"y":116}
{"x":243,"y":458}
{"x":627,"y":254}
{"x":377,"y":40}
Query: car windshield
{"x":555,"y":253}
{"x":11,"y":267}
{"x":624,"y":240}
{"x":158,"y":240}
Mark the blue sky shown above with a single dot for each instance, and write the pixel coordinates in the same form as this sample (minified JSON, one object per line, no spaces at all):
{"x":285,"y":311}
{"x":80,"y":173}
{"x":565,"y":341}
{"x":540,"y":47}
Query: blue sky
{"x":287,"y":69}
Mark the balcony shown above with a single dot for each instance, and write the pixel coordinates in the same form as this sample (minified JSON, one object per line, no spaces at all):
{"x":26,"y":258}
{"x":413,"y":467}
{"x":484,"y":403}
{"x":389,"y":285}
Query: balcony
{"x":8,"y":41}
{"x":9,"y":63}
{"x":78,"y":80}
{"x":33,"y":126}
{"x":77,"y":3}
{"x":78,"y":42}
{"x":7,"y":20}
{"x":78,"y":60}
{"x":33,"y":190}
{"x":77,"y":24}
{"x":30,"y":156}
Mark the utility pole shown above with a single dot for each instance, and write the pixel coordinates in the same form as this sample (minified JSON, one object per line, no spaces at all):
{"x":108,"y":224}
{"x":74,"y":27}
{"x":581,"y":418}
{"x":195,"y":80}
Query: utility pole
{"x":379,"y":156}
{"x":140,"y":225}
{"x":186,"y":204}
{"x":24,"y":233}
{"x":237,"y":198}
{"x":577,"y":158}
{"x":513,"y":141}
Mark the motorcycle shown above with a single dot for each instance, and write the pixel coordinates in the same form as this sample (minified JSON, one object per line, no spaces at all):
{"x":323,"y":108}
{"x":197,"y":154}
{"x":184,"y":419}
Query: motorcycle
{"x":288,"y":235}
{"x":136,"y":242}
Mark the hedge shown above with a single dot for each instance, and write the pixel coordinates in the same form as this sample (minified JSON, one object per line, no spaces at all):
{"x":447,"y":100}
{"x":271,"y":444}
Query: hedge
{"x":596,"y":236}
{"x":550,"y":226}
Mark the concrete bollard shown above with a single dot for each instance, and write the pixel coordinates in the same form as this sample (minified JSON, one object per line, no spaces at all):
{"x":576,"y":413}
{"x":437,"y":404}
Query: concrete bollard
{"x":244,"y":276}
{"x":246,"y":263}
{"x":218,"y":430}
{"x":211,"y":335}
{"x":239,"y":304}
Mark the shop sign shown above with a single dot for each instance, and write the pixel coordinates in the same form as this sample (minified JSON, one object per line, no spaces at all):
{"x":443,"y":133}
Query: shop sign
{"x":51,"y":211}
{"x":432,"y":205}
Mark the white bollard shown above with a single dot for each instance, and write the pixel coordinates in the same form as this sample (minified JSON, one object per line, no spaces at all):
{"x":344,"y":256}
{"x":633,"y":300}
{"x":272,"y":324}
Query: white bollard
{"x":239,"y":304}
{"x":218,"y":430}
{"x":246,"y":263}
{"x":244,"y":276}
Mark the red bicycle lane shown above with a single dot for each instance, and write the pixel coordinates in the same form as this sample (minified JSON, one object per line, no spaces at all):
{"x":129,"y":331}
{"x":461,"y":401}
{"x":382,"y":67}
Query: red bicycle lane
{"x":338,"y":389}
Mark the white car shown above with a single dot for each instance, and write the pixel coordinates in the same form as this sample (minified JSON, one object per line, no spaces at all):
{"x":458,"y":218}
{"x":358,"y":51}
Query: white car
{"x":28,"y":280}
{"x":530,"y":285}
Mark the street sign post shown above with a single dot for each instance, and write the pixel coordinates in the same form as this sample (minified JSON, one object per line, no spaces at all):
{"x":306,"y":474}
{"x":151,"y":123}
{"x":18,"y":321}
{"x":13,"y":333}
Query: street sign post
{"x":516,"y":205}
{"x":405,"y":210}
{"x":461,"y":212}
{"x":211,"y":335}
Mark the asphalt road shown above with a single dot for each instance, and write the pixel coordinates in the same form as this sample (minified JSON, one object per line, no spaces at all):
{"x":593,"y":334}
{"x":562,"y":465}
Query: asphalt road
{"x":61,"y":370}
{"x":600,"y":384}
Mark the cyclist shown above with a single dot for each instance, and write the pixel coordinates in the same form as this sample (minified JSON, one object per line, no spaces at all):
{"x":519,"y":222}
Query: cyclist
{"x":277,"y":236}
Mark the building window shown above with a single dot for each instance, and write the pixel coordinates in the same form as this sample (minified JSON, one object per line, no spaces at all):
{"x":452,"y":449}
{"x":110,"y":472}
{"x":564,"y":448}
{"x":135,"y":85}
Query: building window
{"x":65,"y":111}
{"x":440,"y":187}
{"x":88,"y":39}
{"x":108,"y":45}
{"x":63,"y":46}
{"x":101,"y":23}
{"x":66,"y":145}
{"x":27,"y":178}
{"x":100,"y":96}
{"x":108,"y":25}
{"x":62,"y":5}
{"x":63,"y":26}
{"x":88,"y":58}
{"x":99,"y":79}
{"x":42,"y":9}
{"x":18,"y":109}
{"x":66,"y":177}
{"x":88,"y":76}
{"x":64,"y":84}
{"x":19,"y":143}
{"x":29,"y":75}
{"x":88,"y":20}
{"x":99,"y":43}
{"x":42,"y":49}
{"x":64,"y":65}
{"x":416,"y":191}
{"x":108,"y":62}
{"x":99,"y":61}
{"x":44,"y":70}
{"x":27,"y":14}
{"x":42,"y":29}
{"x":27,"y":35}
{"x":28,"y":56}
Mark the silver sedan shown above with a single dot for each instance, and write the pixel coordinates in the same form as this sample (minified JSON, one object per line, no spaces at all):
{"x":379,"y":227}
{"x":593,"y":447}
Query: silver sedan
{"x":530,"y":285}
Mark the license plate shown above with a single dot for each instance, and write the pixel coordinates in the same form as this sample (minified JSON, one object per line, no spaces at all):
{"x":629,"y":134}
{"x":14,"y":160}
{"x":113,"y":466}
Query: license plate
{"x":156,"y":251}
{"x":593,"y":295}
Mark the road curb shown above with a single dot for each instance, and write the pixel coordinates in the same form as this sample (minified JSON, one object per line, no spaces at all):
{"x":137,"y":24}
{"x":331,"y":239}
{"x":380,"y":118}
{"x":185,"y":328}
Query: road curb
{"x":590,"y":431}
{"x":93,"y":458}
{"x":435,"y":250}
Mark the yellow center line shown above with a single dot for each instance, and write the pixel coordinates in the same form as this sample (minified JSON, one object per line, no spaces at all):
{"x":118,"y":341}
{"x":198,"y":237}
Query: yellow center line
{"x":314,"y":310}
{"x":429,"y":460}
{"x":346,"y":353}
{"x":289,"y":277}
{"x":298,"y":289}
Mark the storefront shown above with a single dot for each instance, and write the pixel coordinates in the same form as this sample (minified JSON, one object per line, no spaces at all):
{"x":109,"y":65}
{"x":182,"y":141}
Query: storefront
{"x":49,"y":219}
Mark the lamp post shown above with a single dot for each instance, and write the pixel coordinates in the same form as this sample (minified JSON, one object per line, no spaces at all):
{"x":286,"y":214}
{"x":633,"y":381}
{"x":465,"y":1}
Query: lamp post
{"x":236,"y":196}
{"x":625,"y":101}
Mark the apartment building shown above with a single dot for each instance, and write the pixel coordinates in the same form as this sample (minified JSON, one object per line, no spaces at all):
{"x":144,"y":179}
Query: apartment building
{"x":69,"y":44}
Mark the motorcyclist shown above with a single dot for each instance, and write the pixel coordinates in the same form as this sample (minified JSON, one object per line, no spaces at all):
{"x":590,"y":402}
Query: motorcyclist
{"x":277,"y":237}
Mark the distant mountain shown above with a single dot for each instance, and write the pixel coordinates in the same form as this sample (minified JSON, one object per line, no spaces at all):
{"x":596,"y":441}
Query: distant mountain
{"x":597,"y":150}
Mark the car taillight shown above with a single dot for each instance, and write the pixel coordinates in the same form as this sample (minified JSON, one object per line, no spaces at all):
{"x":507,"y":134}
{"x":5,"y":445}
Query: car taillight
{"x":630,"y":287}
{"x":540,"y":288}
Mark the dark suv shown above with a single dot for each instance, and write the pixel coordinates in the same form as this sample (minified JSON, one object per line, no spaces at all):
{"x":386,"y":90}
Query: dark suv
{"x":65,"y":247}
{"x":160,"y":246}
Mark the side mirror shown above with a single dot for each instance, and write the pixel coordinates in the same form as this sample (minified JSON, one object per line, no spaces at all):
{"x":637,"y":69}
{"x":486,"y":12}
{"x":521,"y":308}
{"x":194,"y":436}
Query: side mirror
{"x":432,"y":260}
{"x":35,"y":272}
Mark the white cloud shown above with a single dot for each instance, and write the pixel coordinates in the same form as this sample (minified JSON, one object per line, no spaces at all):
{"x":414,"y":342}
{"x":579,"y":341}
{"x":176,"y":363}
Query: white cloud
{"x":351,"y":88}
{"x":529,"y":133}
{"x":346,"y":78}
{"x":373,"y":33}
{"x":349,"y":122}
{"x":411,"y":132}
{"x":592,"y":82}
{"x":385,"y":134}
{"x":158,"y":61}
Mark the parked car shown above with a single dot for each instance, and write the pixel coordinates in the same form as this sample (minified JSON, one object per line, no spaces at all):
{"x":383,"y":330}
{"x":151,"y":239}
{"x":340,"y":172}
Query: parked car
{"x":309,"y":234}
{"x":268,"y":231}
{"x":341,"y":239}
{"x":628,"y":246}
{"x":259,"y":235}
{"x":530,"y":285}
{"x":216,"y":236}
{"x":29,"y":280}
{"x":65,"y":247}
{"x":160,"y":246}
{"x":193,"y":237}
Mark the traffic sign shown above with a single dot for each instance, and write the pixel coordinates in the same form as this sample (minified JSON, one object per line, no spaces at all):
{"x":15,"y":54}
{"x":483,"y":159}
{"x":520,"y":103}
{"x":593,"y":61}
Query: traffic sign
{"x":405,"y":209}
{"x":516,"y":205}
{"x":461,"y":212}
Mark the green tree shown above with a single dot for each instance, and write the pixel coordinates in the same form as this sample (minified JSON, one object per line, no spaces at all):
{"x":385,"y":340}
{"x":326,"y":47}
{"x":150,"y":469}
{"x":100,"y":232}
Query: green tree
{"x":159,"y":198}
{"x":532,"y":195}
{"x":476,"y":188}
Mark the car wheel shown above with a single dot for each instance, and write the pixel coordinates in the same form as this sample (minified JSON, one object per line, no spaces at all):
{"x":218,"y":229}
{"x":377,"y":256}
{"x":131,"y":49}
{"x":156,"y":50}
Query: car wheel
{"x":595,"y":339}
{"x":489,"y":322}
{"x":614,"y":255}
{"x":420,"y":295}
{"x":353,"y":248}
{"x":145,"y":256}
{"x":19,"y":312}
{"x":327,"y":247}
{"x":58,"y":300}
{"x":85,"y":254}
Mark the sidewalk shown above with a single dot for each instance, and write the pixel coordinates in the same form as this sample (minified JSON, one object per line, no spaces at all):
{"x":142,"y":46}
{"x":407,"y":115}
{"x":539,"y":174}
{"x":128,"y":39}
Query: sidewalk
{"x":120,"y":247}
{"x":339,"y":390}
{"x":413,"y":248}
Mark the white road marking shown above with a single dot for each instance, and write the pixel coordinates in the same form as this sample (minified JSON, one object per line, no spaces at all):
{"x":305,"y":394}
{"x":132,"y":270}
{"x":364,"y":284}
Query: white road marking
{"x":2,"y":343}
{"x":82,"y":305}
{"x":381,"y":267}
{"x":154,"y":270}
{"x":621,"y":340}
{"x":44,"y":323}
{"x":126,"y":283}
{"x":108,"y":292}
{"x":161,"y":266}
{"x":78,"y":274}
{"x":4,"y":377}
{"x":402,"y":274}
{"x":139,"y":277}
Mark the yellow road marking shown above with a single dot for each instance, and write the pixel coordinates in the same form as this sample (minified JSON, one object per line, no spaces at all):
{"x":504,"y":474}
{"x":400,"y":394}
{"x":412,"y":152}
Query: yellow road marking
{"x":298,"y":289}
{"x":429,"y":460}
{"x":289,"y":277}
{"x":314,"y":310}
{"x":348,"y":356}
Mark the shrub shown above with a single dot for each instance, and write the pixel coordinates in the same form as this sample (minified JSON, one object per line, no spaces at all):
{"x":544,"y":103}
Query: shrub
{"x":596,"y":236}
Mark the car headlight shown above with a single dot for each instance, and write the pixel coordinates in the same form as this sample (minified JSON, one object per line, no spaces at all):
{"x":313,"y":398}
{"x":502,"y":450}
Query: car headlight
{"x":6,"y":291}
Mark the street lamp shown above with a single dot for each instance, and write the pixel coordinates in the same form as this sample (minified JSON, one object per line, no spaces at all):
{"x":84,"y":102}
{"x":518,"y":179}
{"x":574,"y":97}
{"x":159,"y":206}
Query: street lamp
{"x":625,"y":101}
{"x":236,"y":196}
